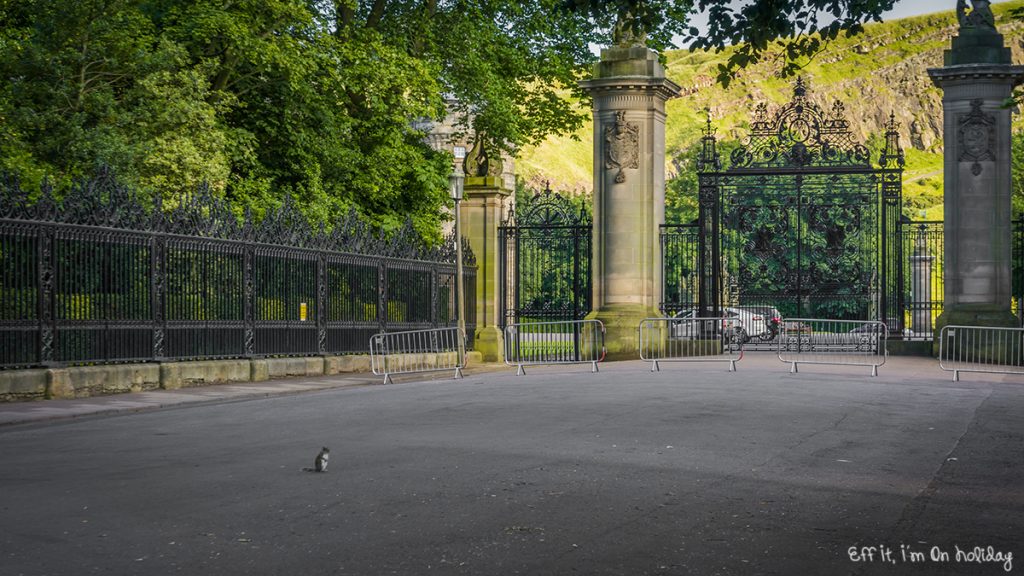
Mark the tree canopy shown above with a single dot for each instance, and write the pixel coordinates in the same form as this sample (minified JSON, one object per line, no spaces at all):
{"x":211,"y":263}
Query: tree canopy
{"x":319,"y":98}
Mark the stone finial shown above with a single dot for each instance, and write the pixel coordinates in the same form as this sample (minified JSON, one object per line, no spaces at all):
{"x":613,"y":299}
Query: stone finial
{"x":480,"y":161}
{"x":980,"y":16}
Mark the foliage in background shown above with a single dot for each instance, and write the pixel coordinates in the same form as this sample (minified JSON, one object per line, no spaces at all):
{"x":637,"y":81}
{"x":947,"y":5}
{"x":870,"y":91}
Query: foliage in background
{"x":881,"y":71}
{"x":1017,"y":172}
{"x":266,"y":98}
{"x":318,"y":99}
{"x":790,"y":30}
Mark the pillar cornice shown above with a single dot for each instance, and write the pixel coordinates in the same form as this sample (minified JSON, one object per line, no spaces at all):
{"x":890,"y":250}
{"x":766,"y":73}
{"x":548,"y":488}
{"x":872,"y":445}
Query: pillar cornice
{"x":1002,"y":73}
{"x":662,"y":88}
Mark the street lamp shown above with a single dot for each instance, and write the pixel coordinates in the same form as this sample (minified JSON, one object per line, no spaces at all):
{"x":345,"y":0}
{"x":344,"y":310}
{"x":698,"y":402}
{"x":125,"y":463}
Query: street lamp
{"x":456,"y":183}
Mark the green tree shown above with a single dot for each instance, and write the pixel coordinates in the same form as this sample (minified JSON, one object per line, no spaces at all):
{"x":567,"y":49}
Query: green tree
{"x":318,"y":98}
{"x":1017,"y":173}
{"x":800,"y":27}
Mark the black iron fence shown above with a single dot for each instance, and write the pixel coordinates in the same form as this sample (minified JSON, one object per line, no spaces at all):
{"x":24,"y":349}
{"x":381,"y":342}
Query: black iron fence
{"x":680,"y":249}
{"x":922,"y":274}
{"x":545,"y":248}
{"x":923,"y":249}
{"x":100,"y":277}
{"x":1017,"y":269}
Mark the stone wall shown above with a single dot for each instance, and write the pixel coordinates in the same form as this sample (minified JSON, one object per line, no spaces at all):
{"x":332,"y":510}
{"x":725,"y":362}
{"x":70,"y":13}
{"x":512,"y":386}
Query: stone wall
{"x":87,"y":381}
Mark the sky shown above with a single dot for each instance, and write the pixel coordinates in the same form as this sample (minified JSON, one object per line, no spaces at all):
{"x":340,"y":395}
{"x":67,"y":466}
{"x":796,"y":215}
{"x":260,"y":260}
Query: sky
{"x":902,"y":9}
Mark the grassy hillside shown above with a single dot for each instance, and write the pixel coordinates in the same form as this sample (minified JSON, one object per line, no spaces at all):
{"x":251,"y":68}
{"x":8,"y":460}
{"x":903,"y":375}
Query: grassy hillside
{"x":881,"y":71}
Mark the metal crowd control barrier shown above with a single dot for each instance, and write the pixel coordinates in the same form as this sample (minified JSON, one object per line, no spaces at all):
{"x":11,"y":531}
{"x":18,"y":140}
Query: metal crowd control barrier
{"x":837,"y":342}
{"x":428,"y":350}
{"x":560,"y":342}
{"x":981,"y":349}
{"x":689,"y":340}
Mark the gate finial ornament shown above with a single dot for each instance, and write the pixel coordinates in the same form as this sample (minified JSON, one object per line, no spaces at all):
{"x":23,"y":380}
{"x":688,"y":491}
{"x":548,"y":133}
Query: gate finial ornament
{"x":482,"y":159}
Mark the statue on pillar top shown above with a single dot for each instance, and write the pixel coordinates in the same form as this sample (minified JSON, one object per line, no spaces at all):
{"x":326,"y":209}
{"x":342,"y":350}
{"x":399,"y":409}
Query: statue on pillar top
{"x":980,"y":16}
{"x":628,"y":31}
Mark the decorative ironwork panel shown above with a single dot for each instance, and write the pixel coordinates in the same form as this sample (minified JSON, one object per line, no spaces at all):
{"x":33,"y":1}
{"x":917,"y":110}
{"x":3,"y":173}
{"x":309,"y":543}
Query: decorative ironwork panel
{"x":352,"y":303}
{"x":923,"y":244}
{"x":800,"y":135}
{"x":680,"y":249}
{"x":102,"y":274}
{"x":204,"y":298}
{"x":806,"y":245}
{"x":285,"y":301}
{"x":47,"y":320}
{"x":801,"y":221}
{"x":20,"y":314}
{"x":1017,"y":268}
{"x":546,"y":264}
{"x":102,"y":202}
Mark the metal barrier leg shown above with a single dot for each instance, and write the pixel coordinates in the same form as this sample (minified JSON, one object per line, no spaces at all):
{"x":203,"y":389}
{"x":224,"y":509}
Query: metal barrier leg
{"x":732,"y":365}
{"x":458,"y":373}
{"x":520,"y":372}
{"x":387,"y":378}
{"x":956,"y":375}
{"x":655,"y":367}
{"x":593,"y":366}
{"x":792,"y":368}
{"x":874,"y":369}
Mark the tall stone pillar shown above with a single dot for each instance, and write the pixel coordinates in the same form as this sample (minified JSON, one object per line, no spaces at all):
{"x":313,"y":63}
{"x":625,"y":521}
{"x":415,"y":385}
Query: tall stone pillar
{"x":481,"y":212}
{"x":629,"y":89}
{"x":976,"y":80}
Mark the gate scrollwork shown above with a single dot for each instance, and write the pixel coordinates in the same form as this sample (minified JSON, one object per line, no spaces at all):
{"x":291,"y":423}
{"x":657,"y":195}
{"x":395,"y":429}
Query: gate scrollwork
{"x":802,"y":219}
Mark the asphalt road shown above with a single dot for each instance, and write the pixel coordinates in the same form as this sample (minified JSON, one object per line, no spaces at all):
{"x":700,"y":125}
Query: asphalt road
{"x":692,"y":470}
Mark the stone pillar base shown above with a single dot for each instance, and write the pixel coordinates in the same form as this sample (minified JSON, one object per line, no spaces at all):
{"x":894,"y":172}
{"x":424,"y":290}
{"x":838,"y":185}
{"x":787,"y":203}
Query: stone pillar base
{"x":622,"y":325}
{"x":973,"y":315}
{"x":490,"y":343}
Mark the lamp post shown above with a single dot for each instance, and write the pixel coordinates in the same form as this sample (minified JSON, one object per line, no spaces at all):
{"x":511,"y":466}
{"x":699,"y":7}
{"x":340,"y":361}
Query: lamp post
{"x":456,"y":183}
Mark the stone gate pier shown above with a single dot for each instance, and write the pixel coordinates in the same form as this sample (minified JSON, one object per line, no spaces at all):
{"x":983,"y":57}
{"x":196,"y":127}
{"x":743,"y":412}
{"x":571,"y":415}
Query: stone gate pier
{"x":629,"y":89}
{"x":977,"y":79}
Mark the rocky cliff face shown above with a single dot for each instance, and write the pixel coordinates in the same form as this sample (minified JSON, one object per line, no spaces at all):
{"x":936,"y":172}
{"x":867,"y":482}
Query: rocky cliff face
{"x":880,"y":71}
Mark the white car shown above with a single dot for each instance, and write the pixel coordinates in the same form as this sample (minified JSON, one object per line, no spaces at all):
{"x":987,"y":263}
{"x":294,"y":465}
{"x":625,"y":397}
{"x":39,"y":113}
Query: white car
{"x":741,"y":323}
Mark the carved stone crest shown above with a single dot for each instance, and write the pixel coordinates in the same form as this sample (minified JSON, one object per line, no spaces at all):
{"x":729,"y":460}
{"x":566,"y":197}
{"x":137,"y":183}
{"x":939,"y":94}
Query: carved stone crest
{"x":977,"y":137}
{"x":621,"y":146}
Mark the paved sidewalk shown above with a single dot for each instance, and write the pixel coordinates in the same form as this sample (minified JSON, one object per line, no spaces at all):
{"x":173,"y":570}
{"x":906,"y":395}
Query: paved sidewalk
{"x":43,"y":410}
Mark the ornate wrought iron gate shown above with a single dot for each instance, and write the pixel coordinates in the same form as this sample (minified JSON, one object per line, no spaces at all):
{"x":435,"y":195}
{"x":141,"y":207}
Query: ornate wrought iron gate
{"x":801,"y":220}
{"x":545,"y":267}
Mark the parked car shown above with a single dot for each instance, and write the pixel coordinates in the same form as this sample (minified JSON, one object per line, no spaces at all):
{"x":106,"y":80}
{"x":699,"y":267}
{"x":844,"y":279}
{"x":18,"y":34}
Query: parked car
{"x":740,"y":323}
{"x":772,"y":320}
